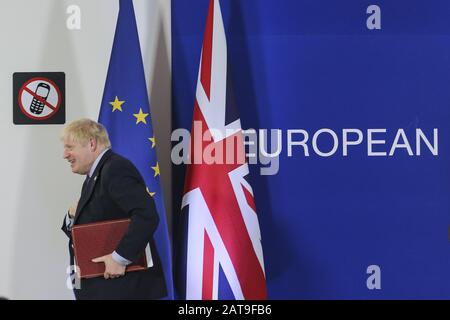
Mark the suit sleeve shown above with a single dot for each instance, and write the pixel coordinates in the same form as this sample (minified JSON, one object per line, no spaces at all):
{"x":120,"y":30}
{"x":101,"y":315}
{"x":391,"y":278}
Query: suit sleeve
{"x":127,"y":189}
{"x":66,"y":228}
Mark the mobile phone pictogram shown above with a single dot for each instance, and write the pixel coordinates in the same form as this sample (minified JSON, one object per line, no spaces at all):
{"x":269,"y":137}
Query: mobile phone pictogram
{"x":42,"y":91}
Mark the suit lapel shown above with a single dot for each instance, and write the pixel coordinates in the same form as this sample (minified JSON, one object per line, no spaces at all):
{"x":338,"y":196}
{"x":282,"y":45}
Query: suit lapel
{"x":89,"y":188}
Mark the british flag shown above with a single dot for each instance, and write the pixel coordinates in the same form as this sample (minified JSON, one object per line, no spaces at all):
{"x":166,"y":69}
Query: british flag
{"x":223,"y":252}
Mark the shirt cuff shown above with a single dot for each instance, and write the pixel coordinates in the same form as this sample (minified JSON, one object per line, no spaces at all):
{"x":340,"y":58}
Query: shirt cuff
{"x":119,"y":259}
{"x":69,"y":222}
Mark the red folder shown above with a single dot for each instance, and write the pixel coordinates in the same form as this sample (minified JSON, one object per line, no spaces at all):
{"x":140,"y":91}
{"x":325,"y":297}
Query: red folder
{"x":94,"y":240}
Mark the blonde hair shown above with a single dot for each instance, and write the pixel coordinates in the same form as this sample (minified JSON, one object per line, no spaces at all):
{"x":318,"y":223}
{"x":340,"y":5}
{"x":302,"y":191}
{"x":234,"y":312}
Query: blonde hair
{"x":83,"y":130}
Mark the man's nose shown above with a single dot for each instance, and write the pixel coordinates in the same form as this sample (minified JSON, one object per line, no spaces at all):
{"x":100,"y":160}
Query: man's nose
{"x":65,"y":154}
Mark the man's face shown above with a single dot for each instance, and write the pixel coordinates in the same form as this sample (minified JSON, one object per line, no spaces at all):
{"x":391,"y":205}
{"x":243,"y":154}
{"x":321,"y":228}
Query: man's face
{"x":81,"y":157}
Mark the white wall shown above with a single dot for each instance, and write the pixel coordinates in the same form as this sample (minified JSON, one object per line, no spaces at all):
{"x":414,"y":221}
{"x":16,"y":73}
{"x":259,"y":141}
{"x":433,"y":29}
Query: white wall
{"x":37,"y":185}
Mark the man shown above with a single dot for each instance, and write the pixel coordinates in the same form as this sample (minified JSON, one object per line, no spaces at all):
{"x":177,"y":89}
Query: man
{"x":113,"y":190}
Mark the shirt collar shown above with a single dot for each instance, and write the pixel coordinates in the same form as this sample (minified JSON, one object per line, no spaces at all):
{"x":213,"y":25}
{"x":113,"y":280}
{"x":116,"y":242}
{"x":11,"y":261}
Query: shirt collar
{"x":94,"y":165}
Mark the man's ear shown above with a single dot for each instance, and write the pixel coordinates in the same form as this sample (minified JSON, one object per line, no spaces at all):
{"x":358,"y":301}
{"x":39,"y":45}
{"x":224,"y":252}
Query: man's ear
{"x":93,"y":144}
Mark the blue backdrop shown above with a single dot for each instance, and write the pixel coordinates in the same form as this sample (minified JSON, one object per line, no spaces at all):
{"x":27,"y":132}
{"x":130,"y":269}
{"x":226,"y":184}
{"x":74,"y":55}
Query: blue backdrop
{"x":312,"y":64}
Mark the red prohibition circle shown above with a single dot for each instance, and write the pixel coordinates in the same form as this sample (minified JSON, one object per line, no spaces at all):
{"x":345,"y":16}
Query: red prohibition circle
{"x":51,"y":114}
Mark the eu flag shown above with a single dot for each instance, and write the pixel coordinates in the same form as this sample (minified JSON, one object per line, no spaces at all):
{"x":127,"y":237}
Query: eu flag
{"x":125,"y":112}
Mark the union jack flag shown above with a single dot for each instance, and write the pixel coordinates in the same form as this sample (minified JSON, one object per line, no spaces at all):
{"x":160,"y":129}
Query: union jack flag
{"x":222,"y":251}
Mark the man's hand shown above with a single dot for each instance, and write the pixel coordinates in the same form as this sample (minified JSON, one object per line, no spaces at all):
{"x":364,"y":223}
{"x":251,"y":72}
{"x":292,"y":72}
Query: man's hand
{"x":73,"y":209}
{"x":112,"y":268}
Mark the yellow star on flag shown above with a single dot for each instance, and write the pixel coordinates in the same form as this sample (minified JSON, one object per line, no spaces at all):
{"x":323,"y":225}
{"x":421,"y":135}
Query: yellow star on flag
{"x":150,"y":193}
{"x":116,"y":104}
{"x":156,"y":169}
{"x":153,"y":140}
{"x":140,"y":117}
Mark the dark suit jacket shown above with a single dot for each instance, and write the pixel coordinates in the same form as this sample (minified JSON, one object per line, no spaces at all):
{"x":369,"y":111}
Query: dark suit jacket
{"x":116,"y":190}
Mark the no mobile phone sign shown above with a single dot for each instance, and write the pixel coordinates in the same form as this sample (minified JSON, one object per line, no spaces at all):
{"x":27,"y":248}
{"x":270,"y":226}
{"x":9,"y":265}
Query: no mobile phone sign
{"x":38,"y":98}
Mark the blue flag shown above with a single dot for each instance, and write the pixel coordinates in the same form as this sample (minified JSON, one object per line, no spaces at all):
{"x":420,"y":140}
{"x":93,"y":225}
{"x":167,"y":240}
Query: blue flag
{"x":125,"y":112}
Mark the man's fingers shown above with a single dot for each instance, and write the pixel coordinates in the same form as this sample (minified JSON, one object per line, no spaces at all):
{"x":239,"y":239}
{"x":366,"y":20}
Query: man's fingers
{"x":112,"y":276}
{"x":99,"y":259}
{"x":73,"y":210}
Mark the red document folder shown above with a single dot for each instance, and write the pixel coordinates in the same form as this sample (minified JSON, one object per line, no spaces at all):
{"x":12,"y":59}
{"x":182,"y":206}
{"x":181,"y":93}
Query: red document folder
{"x":94,"y":240}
